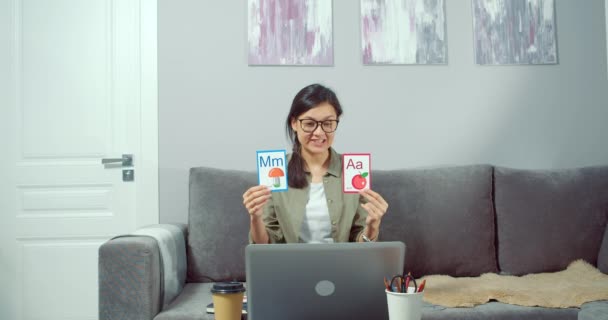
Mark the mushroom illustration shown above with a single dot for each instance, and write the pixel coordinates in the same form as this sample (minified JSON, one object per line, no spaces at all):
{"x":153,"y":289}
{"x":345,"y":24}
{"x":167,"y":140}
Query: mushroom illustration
{"x":276,"y":174}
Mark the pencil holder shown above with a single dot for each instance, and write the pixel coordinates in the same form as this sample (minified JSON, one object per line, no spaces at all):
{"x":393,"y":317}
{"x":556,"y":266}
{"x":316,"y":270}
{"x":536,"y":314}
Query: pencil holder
{"x":404,"y":306}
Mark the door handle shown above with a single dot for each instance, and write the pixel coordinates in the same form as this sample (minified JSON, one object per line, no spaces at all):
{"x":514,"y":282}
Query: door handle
{"x":125,"y":161}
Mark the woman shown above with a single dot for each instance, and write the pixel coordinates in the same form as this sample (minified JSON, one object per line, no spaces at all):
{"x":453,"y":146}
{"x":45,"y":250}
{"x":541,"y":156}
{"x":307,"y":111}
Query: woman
{"x":314,"y":209}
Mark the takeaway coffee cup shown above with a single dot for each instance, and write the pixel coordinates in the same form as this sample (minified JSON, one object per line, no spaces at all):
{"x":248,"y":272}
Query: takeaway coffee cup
{"x":228,"y":300}
{"x":404,"y":306}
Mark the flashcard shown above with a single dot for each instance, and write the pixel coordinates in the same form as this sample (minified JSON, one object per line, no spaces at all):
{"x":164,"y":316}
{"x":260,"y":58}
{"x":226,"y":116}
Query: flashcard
{"x":356,"y":172}
{"x":272,"y":169}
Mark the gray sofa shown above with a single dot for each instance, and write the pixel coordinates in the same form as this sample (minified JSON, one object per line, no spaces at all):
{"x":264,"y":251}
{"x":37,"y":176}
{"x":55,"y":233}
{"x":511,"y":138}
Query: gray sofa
{"x":459,"y":221}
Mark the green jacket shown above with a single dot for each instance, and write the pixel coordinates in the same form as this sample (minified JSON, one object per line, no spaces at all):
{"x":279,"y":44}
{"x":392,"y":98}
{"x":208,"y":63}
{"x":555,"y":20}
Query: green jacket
{"x":284,"y":212}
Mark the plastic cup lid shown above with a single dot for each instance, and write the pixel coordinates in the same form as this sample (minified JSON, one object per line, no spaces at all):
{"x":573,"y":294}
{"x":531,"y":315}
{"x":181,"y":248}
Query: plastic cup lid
{"x":227,"y":287}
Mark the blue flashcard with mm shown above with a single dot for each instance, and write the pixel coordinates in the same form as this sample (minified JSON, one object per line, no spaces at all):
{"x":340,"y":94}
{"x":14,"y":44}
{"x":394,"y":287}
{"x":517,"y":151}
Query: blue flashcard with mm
{"x":272,"y":169}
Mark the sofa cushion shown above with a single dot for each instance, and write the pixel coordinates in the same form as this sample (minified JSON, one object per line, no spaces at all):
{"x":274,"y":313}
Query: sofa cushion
{"x":444,"y":215}
{"x":190,"y":305}
{"x":497,"y":311}
{"x":549,"y":218}
{"x":597,"y":310}
{"x":218,"y":224}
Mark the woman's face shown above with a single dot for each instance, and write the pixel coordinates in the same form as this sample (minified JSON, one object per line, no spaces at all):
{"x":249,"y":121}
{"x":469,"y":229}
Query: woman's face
{"x":317,"y":141}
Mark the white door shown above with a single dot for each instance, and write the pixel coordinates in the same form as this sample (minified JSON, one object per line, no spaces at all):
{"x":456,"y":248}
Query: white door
{"x":78,"y":84}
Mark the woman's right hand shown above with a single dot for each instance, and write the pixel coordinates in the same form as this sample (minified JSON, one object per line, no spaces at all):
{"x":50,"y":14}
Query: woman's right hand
{"x":255,"y":198}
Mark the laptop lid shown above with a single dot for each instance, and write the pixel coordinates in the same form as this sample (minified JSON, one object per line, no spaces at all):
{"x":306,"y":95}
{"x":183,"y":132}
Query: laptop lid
{"x":320,"y":281}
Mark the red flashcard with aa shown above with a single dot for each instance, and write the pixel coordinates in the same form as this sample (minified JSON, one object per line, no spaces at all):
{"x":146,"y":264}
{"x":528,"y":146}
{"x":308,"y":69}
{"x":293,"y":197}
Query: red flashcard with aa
{"x":356,"y":172}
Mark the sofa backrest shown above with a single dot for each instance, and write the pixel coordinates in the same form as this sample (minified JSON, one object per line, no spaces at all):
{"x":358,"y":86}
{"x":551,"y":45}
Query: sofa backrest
{"x":549,"y":218}
{"x":445,"y":217}
{"x":218,"y":224}
{"x":459,"y":221}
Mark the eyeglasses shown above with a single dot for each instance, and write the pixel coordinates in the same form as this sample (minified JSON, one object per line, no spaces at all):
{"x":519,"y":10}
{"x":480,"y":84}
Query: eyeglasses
{"x":310,"y":125}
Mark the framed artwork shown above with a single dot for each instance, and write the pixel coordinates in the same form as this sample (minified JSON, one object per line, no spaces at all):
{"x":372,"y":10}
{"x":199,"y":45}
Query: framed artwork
{"x":403,"y":32}
{"x":290,"y":32}
{"x":514,"y":31}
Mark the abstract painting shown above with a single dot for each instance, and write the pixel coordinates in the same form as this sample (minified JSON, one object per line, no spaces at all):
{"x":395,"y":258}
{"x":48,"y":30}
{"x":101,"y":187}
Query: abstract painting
{"x":290,"y":32}
{"x":403,"y":32}
{"x":514,"y":31}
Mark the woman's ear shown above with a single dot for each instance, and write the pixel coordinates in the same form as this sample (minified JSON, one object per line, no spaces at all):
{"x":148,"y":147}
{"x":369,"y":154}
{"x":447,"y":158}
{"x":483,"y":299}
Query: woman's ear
{"x":294,"y":124}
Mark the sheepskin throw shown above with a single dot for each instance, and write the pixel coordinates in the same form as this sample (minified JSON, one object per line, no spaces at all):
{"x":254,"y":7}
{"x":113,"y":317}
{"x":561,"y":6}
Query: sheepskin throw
{"x":579,"y":283}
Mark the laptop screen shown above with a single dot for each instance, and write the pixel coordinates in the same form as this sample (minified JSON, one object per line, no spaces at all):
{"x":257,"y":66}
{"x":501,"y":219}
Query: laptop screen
{"x":320,"y":281}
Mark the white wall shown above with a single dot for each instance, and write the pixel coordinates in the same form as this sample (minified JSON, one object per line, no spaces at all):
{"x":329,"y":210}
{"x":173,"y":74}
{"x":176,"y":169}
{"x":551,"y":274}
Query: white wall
{"x":216,"y":111}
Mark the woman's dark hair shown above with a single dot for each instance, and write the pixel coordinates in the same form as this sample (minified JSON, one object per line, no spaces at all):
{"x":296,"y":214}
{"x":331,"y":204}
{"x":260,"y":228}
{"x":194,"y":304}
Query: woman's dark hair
{"x":308,"y":98}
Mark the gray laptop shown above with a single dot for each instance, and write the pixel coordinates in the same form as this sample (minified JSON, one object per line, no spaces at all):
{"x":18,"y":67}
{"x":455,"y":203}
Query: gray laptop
{"x":320,"y":281}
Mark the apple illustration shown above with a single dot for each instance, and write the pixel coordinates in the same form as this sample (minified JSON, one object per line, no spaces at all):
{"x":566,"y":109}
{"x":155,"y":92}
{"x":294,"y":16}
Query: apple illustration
{"x":359,"y":181}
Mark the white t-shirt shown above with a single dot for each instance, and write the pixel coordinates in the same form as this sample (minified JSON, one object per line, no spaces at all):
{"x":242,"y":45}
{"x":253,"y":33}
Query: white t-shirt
{"x":316,"y":226}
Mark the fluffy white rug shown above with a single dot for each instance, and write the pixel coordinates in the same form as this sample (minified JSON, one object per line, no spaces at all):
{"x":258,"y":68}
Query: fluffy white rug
{"x":579,"y":283}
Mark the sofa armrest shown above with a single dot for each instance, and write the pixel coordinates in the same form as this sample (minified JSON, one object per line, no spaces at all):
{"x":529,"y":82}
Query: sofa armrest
{"x":129,"y":279}
{"x":602,"y":257}
{"x":142,"y":272}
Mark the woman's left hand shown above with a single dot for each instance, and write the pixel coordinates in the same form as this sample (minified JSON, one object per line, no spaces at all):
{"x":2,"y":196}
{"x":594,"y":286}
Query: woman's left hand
{"x":376,"y":207}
